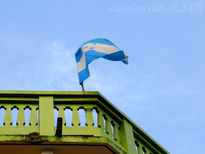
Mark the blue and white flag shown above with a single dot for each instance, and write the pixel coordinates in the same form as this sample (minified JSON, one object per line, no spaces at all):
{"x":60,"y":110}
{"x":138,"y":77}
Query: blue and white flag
{"x":94,"y":49}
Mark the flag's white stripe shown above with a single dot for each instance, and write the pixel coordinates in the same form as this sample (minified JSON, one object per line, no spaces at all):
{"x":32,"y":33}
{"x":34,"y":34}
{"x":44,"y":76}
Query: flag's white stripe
{"x":103,"y":48}
{"x":81,"y":64}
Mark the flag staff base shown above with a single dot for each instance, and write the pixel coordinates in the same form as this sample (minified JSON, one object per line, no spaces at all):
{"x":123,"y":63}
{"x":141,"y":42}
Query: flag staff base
{"x":82,"y":87}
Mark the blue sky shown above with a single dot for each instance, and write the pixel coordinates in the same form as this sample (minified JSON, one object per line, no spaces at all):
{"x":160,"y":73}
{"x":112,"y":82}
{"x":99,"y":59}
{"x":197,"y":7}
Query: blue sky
{"x":163,"y":87}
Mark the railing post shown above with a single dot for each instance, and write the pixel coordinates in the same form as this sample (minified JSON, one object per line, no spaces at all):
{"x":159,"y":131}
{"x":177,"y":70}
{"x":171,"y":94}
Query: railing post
{"x":8,"y":117}
{"x":89,"y":117}
{"x":75,"y":117}
{"x":127,"y":138}
{"x":46,"y":116}
{"x":139,"y":148}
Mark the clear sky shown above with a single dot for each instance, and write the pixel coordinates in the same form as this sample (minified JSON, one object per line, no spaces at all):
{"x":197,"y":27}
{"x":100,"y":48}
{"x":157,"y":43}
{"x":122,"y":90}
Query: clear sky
{"x":163,"y":87}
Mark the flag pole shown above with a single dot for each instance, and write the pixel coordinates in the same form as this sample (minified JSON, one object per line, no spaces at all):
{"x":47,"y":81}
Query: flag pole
{"x":82,"y":86}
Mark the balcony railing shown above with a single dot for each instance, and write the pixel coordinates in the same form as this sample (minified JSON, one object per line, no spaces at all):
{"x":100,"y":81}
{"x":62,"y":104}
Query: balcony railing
{"x":87,"y":117}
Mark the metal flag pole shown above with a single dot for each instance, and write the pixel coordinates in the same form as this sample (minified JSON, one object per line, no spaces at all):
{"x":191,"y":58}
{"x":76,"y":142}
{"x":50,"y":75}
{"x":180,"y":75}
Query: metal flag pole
{"x":82,"y":86}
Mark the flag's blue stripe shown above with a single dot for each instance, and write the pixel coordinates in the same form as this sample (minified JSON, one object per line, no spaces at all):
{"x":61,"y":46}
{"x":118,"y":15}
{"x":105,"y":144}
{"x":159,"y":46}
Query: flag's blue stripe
{"x":83,"y":75}
{"x":92,"y":55}
{"x":100,"y":40}
{"x":117,"y":56}
{"x":78,"y":55}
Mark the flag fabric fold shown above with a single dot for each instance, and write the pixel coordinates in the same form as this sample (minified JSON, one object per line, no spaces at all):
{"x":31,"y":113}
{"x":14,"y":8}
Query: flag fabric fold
{"x":95,"y":49}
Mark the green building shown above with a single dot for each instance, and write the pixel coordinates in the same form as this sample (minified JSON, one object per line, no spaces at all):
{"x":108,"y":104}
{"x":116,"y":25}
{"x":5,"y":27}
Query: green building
{"x":106,"y":131}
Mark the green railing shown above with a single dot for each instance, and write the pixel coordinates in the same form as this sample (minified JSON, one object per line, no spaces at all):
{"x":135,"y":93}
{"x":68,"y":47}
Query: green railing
{"x":18,"y":127}
{"x":102,"y":122}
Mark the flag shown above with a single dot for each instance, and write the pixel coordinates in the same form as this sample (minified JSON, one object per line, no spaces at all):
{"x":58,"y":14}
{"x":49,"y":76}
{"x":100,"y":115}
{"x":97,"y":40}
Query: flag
{"x":95,"y":49}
